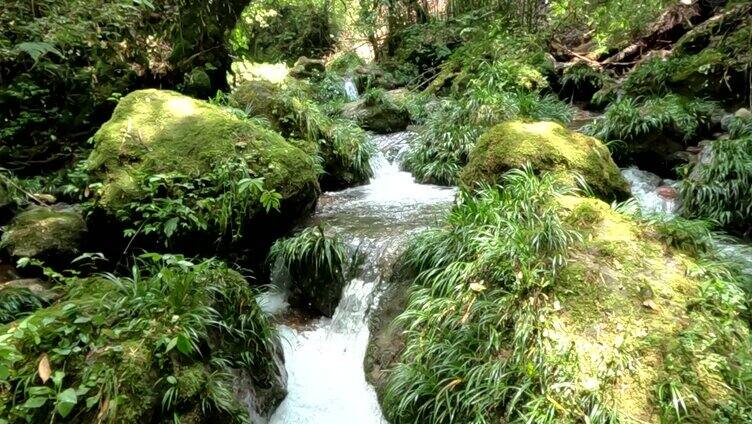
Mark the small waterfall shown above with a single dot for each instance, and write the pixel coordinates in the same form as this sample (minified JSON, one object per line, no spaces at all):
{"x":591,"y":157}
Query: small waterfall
{"x":324,"y":358}
{"x":350,"y":90}
{"x":652,"y":193}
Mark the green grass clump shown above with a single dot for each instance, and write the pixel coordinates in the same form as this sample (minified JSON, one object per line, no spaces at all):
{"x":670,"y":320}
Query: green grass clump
{"x":633,"y":122}
{"x":489,"y":85}
{"x":719,"y":186}
{"x":473,"y":351}
{"x":316,"y":263}
{"x":117,"y":349}
{"x":533,"y":305}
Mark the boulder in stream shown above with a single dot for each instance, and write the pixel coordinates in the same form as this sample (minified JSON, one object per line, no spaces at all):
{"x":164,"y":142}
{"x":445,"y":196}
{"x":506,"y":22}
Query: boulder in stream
{"x":45,"y":232}
{"x":546,"y":146}
{"x":166,"y":145}
{"x":380,"y":111}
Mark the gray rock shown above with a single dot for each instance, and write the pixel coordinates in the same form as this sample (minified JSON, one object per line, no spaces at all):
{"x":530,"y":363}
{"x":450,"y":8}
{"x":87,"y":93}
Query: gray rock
{"x":45,"y":232}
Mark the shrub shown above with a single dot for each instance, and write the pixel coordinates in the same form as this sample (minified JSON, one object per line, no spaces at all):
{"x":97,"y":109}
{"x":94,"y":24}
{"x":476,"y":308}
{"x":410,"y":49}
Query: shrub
{"x":167,"y":340}
{"x":64,"y":62}
{"x":719,"y":186}
{"x":316,"y":264}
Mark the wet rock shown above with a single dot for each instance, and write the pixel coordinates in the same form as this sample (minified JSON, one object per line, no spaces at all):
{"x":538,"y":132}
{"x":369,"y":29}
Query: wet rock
{"x":667,"y":192}
{"x":45,"y":232}
{"x":306,"y":68}
{"x":546,"y":146}
{"x":382,"y":113}
{"x":386,"y":340}
{"x":261,"y":400}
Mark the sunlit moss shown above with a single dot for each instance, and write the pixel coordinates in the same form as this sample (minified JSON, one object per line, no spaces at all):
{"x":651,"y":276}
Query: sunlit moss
{"x":547,"y":146}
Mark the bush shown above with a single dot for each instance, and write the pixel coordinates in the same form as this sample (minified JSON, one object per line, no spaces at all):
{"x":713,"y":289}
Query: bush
{"x":316,"y":264}
{"x":632,"y":125}
{"x":719,"y":186}
{"x":167,"y":341}
{"x":62,"y":63}
{"x":499,"y":325}
{"x":344,"y":149}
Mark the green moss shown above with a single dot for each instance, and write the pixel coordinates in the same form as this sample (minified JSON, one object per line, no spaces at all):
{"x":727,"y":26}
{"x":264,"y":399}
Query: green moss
{"x":380,"y":111}
{"x":161,"y":132}
{"x":190,"y":381}
{"x":44,"y":230}
{"x":547,"y":146}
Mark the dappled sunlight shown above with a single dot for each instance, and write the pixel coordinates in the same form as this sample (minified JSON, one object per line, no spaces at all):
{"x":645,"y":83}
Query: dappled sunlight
{"x":248,"y":71}
{"x":181,"y":107}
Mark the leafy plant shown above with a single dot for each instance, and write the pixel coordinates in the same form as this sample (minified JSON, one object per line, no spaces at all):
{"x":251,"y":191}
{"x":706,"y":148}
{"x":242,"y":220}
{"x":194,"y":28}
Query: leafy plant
{"x":472,"y":349}
{"x":631,"y":121}
{"x":171,"y":332}
{"x":316,"y":264}
{"x":220,"y":201}
{"x":311,"y":253}
{"x":719,"y":187}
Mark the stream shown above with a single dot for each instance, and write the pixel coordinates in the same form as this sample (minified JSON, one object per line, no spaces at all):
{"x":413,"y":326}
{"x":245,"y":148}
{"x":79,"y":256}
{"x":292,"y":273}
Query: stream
{"x":324,"y":356}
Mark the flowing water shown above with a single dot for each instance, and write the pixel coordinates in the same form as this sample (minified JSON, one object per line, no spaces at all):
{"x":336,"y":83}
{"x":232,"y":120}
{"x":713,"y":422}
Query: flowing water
{"x":324,"y":358}
{"x":654,"y":194}
{"x":350,"y":90}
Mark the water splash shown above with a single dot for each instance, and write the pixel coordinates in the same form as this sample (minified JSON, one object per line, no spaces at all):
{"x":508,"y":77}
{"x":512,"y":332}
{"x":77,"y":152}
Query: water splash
{"x":324,"y":360}
{"x":646,"y":189}
{"x":653,"y":194}
{"x":350,"y":90}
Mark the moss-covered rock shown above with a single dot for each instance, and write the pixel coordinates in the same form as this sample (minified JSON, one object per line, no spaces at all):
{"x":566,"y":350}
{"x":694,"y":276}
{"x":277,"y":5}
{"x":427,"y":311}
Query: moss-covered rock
{"x":631,"y":323}
{"x":168,"y":343}
{"x":45,"y":232}
{"x":546,"y":146}
{"x":157,"y":133}
{"x":655,"y":307}
{"x":380,"y":111}
{"x":344,"y":148}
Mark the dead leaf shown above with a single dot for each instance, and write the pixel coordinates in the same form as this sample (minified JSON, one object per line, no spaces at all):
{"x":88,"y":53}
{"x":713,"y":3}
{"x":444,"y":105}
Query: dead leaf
{"x":44,"y":368}
{"x":453,"y":383}
{"x":650,"y":304}
{"x":477,"y":287}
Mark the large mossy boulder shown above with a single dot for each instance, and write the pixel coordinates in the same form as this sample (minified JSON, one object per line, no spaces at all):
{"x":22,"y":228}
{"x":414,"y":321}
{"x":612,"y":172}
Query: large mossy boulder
{"x":546,"y":146}
{"x":380,"y":111}
{"x":158,"y":133}
{"x":181,"y":341}
{"x":633,"y":312}
{"x":45,"y":232}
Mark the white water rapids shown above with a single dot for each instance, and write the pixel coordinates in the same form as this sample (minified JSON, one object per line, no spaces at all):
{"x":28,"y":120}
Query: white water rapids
{"x":324,"y":358}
